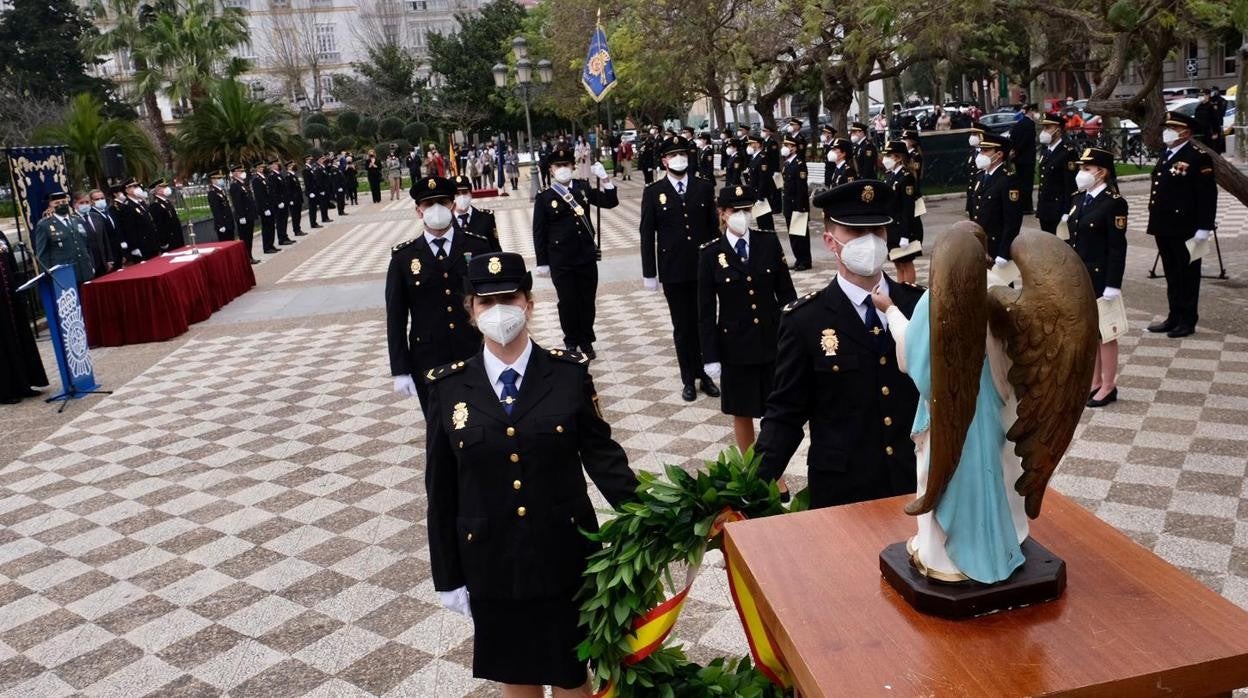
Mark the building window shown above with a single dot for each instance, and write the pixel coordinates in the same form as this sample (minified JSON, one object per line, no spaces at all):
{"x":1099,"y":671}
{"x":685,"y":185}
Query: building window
{"x":327,"y":90}
{"x":1230,"y":50}
{"x":246,"y":50}
{"x":240,"y":4}
{"x":417,"y":34}
{"x":390,"y":31}
{"x":418,"y":5}
{"x":326,"y":41}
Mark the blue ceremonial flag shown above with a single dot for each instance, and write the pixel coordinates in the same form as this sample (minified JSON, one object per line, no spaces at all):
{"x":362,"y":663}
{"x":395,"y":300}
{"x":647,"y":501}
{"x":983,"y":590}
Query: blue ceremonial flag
{"x":37,"y":172}
{"x":598,"y":75}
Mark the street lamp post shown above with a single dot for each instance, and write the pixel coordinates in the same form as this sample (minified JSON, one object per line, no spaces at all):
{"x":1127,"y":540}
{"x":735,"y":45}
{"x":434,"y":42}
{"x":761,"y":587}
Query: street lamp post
{"x":525,"y":85}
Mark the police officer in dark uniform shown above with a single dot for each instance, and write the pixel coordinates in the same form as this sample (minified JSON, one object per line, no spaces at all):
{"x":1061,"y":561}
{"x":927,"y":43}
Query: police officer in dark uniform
{"x":759,"y":180}
{"x":326,"y":179}
{"x":827,"y":135}
{"x":61,"y":239}
{"x":165,"y":217}
{"x":914,"y":158}
{"x":771,"y":152}
{"x":743,"y":281}
{"x":312,"y":185}
{"x":973,"y":172}
{"x":677,"y":216}
{"x":564,"y":243}
{"x":1209,"y":122}
{"x":279,"y":198}
{"x":905,"y":228}
{"x":265,"y":206}
{"x":223,"y":219}
{"x":998,"y":200}
{"x":646,"y":146}
{"x":839,"y":167}
{"x":706,"y":160}
{"x":836,"y":366}
{"x":294,"y":198}
{"x":1058,"y":167}
{"x":513,"y":430}
{"x":735,"y":163}
{"x":794,"y":133}
{"x":1023,"y":155}
{"x":864,"y":150}
{"x":796,"y":200}
{"x":244,"y":206}
{"x":338,"y":181}
{"x":426,"y":324}
{"x":480,"y":221}
{"x":136,"y":220}
{"x":1182,"y":206}
{"x":1098,"y":231}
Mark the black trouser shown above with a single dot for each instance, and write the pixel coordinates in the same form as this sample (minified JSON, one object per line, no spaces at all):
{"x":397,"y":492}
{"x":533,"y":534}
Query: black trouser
{"x":312,"y":204}
{"x":577,"y":290}
{"x":765,"y":222}
{"x":1026,"y":174}
{"x":267,"y":230}
{"x":325,"y":204}
{"x":682,"y":304}
{"x":296,"y":217}
{"x":341,"y":200}
{"x":246,"y":234}
{"x":353,"y":192}
{"x":374,"y":185}
{"x":1182,"y":281}
{"x":647,"y":174}
{"x":1048,"y":223}
{"x":280,"y":216}
{"x":799,"y":243}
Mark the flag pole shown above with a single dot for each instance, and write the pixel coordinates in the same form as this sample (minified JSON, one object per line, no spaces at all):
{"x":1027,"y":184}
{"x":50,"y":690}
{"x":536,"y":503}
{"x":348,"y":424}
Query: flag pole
{"x":597,"y":150}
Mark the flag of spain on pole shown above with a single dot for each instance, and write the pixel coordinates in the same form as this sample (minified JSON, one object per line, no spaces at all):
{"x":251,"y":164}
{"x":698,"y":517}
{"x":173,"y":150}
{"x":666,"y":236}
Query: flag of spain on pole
{"x":598,"y":75}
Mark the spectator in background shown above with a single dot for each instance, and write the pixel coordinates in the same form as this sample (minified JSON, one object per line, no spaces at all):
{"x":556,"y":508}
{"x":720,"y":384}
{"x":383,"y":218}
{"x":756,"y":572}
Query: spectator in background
{"x":486,"y":163}
{"x":472,"y":169}
{"x":394,"y":173}
{"x":879,"y":127}
{"x":414,"y":161}
{"x":352,"y":177}
{"x":372,"y":169}
{"x":1074,"y":122}
{"x":435,"y":164}
{"x":625,"y":156}
{"x":20,"y":365}
{"x":943,"y":122}
{"x":513,"y":167}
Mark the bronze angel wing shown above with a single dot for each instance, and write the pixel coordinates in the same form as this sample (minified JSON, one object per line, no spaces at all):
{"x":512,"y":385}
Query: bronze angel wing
{"x":1049,"y":328}
{"x":959,"y":331}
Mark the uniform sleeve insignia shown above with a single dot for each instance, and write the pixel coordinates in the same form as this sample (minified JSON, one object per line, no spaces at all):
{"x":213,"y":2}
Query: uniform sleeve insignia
{"x":554,"y":203}
{"x":829,"y":342}
{"x":1014,"y":195}
{"x":1206,"y":170}
{"x":802,"y":174}
{"x":1120,"y":222}
{"x":909,"y":190}
{"x":723,"y":260}
{"x":459,"y":415}
{"x":415,"y":267}
{"x":1072,"y":165}
{"x":764,"y":167}
{"x":663,"y":198}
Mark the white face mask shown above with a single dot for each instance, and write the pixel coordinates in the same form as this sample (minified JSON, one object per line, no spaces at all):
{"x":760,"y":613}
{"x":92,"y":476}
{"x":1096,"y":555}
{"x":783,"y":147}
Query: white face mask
{"x":731,"y":151}
{"x":834,"y":156}
{"x":1085,"y":180}
{"x":856,"y":138}
{"x":739,"y":222}
{"x":463,"y":201}
{"x":563,"y":175}
{"x":973,"y":141}
{"x":168,"y":191}
{"x":752,"y":151}
{"x":864,"y":255}
{"x":140,"y":193}
{"x":84,"y":209}
{"x":1169,"y":136}
{"x":100,"y":204}
{"x":677,"y":164}
{"x":982,"y":161}
{"x":502,"y":323}
{"x":785,"y":151}
{"x":218,"y":182}
{"x":825,"y":139}
{"x":1046,"y":137}
{"x":889,"y":162}
{"x":437,"y":217}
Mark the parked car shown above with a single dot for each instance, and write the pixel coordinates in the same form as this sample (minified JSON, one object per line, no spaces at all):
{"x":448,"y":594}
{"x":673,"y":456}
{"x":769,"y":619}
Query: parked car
{"x":628,"y":136}
{"x":997,"y":122}
{"x":1172,"y":94}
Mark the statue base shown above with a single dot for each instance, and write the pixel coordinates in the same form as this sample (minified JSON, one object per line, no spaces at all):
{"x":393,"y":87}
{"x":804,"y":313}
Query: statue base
{"x":1041,"y":578}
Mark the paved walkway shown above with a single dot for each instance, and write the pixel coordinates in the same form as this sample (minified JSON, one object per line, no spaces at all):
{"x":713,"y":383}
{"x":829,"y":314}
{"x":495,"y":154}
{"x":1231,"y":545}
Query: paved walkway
{"x":245,"y":514}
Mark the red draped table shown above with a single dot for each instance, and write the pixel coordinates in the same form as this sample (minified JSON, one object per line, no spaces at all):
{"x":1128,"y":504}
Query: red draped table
{"x":160,"y":298}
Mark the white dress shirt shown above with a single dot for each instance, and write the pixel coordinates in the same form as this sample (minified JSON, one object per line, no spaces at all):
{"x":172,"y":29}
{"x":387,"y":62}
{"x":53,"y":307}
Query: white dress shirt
{"x":857,"y":295}
{"x":448,"y":236}
{"x":732,"y":238}
{"x":494,"y":367}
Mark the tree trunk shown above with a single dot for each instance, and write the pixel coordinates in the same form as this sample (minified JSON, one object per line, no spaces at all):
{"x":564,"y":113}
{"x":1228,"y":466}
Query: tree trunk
{"x":158,"y":128}
{"x":838,"y":94}
{"x":765,"y":105}
{"x":1241,"y":103}
{"x":1229,"y":177}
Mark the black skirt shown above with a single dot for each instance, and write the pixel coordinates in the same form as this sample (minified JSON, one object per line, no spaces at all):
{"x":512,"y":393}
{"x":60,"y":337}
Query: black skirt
{"x":744,"y":388}
{"x":527,"y":642}
{"x":916,"y":233}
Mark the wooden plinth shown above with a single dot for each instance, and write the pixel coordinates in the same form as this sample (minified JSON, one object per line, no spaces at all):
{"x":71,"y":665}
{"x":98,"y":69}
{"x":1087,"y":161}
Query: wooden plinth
{"x":1041,"y":578}
{"x":1128,"y":623}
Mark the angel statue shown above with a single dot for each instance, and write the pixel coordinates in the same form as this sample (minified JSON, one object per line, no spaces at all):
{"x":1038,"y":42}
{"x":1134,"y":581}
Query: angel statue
{"x":991,"y":365}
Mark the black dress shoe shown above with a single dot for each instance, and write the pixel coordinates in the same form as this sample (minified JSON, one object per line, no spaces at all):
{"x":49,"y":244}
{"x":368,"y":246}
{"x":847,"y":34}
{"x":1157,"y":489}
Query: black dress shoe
{"x":10,"y":400}
{"x":253,"y":260}
{"x":271,"y":250}
{"x":314,"y":226}
{"x":1111,"y":397}
{"x":1163,"y":326}
{"x":801,"y":267}
{"x":300,"y":234}
{"x":588,"y":351}
{"x":286,"y":242}
{"x":1181,"y":331}
{"x":1095,"y":390}
{"x":31,"y":392}
{"x":709,"y":387}
{"x":689,"y":394}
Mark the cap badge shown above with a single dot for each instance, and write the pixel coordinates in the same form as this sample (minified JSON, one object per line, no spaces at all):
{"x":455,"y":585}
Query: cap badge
{"x":459,"y":416}
{"x":829,"y":340}
{"x":868,"y":195}
{"x":495,"y":266}
{"x":740,"y":191}
{"x":415,"y":267}
{"x":431,"y":184}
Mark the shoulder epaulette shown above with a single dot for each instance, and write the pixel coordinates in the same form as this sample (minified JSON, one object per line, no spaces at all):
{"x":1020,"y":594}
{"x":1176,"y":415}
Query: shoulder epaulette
{"x":572,"y":357}
{"x":471,"y":234}
{"x":401,"y":245}
{"x":802,"y":300}
{"x":708,"y":243}
{"x":486,"y":210}
{"x":436,"y":374}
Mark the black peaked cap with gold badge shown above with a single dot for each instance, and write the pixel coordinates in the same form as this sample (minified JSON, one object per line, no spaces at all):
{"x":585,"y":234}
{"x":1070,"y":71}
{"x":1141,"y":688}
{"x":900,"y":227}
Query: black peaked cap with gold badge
{"x":496,"y":273}
{"x":735,"y":197}
{"x":427,"y":188}
{"x":861,"y":203}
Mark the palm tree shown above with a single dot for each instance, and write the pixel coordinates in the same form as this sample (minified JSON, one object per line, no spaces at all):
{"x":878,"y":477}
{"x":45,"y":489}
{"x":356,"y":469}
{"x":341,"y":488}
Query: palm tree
{"x":228,"y":126}
{"x":190,"y":48}
{"x":85,"y":131}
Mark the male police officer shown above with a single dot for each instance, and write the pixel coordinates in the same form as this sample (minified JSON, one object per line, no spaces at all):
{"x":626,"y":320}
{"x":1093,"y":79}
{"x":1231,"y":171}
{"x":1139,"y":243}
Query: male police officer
{"x":294,"y":198}
{"x":476,"y":220}
{"x":836,"y":365}
{"x":265,"y":209}
{"x":1022,"y":138}
{"x":796,"y":200}
{"x":839,"y":168}
{"x":280,"y":199}
{"x":1182,"y":206}
{"x":312,"y":185}
{"x":758,"y":178}
{"x":1058,"y":167}
{"x":426,"y":324}
{"x":219,"y":202}
{"x":244,"y":205}
{"x":565,"y":245}
{"x":998,"y":200}
{"x":136,"y":220}
{"x":678,"y":211}
{"x":61,"y":239}
{"x":864,"y":150}
{"x":165,"y":217}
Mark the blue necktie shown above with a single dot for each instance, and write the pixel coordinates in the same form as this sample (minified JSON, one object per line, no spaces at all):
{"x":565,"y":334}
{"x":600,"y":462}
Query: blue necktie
{"x":680,"y":189}
{"x":441,"y":253}
{"x":740,"y":247}
{"x":1088,"y":199}
{"x":510,"y":392}
{"x":875,"y":326}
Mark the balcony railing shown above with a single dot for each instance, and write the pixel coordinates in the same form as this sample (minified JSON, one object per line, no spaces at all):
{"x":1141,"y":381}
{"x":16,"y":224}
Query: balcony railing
{"x":329,"y":56}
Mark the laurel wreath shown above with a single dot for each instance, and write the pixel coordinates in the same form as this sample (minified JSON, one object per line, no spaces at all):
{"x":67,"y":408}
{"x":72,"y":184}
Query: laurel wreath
{"x":668,"y":522}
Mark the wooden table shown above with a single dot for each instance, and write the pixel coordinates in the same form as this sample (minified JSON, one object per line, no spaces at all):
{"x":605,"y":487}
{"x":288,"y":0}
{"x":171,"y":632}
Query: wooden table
{"x":1130,"y":624}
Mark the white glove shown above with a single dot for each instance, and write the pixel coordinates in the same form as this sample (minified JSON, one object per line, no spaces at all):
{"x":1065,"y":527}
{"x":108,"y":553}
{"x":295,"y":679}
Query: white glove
{"x":404,"y":385}
{"x":599,"y":171}
{"x":1203,"y":235}
{"x":311,"y":195}
{"x":281,"y":205}
{"x":650,"y":284}
{"x":124,"y":246}
{"x":136,"y":253}
{"x":1111,"y":292}
{"x":543,"y":271}
{"x":903,"y":242}
{"x":242,"y":221}
{"x":268,"y":212}
{"x":1065,"y":217}
{"x":221,"y":229}
{"x":456,"y":601}
{"x":712,"y":370}
{"x":1001,"y":261}
{"x":339,"y":188}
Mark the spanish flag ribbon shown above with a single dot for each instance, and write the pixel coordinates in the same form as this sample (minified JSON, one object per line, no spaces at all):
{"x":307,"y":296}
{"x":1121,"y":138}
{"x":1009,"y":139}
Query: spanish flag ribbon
{"x":452,"y":163}
{"x":652,"y":628}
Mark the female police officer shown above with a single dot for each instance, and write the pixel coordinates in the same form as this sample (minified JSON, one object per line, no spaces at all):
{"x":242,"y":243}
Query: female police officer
{"x":906,"y":227}
{"x":1098,"y":230}
{"x":509,"y":432}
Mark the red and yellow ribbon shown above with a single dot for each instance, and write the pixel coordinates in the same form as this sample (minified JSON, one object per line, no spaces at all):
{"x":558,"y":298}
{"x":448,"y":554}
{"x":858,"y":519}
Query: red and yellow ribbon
{"x":651,"y":629}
